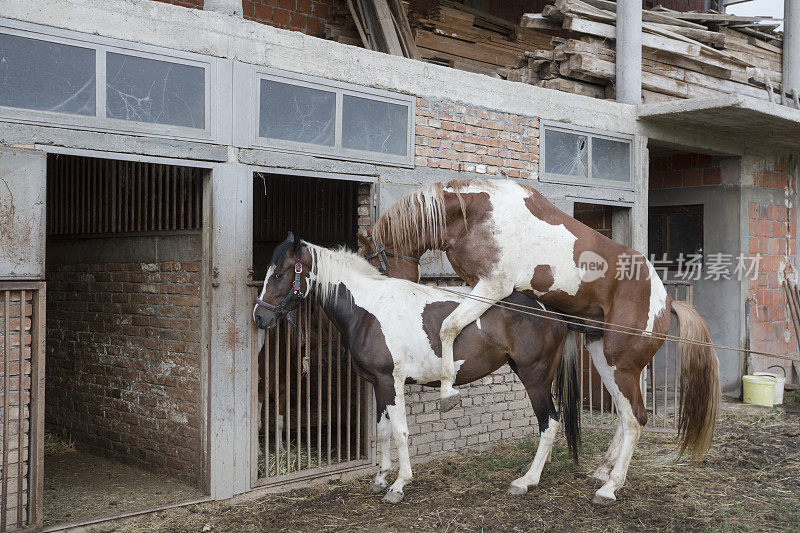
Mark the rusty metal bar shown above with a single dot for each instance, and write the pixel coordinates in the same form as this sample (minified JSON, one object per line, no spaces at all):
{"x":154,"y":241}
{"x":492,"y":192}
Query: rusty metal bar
{"x":307,"y":324}
{"x":277,"y":386}
{"x":287,"y":421}
{"x":329,"y":404}
{"x":6,"y":394}
{"x":359,"y":390}
{"x":591,"y":407}
{"x":174,"y":204}
{"x":319,"y":387}
{"x":349,"y":396}
{"x":265,"y":400}
{"x":299,"y":383}
{"x":338,"y":397}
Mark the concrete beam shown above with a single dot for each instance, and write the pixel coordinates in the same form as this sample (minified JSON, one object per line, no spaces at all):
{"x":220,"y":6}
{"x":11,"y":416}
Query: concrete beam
{"x":629,"y":51}
{"x":791,"y":45}
{"x":226,"y":7}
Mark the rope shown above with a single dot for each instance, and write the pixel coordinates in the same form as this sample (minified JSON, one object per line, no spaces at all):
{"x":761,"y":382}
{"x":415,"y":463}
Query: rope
{"x":606,"y":326}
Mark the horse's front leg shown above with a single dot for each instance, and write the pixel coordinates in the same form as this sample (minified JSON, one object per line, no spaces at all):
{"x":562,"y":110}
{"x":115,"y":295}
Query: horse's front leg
{"x":397,"y":418}
{"x":384,"y":395}
{"x":466,"y":313}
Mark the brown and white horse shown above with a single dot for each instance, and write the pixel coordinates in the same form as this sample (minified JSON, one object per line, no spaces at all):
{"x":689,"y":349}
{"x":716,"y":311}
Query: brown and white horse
{"x":391,"y":328}
{"x":502,"y":236}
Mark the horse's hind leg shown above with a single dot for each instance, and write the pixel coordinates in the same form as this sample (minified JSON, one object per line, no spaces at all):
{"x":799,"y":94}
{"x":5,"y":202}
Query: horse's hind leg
{"x":601,"y":473}
{"x":624,"y":389}
{"x":547,"y":416}
{"x":466,"y":313}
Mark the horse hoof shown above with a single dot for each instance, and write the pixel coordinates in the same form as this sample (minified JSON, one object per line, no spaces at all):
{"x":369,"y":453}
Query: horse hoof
{"x":393,"y":497}
{"x":517,"y":491}
{"x":604,"y":501}
{"x":376,"y":488}
{"x":446,"y":404}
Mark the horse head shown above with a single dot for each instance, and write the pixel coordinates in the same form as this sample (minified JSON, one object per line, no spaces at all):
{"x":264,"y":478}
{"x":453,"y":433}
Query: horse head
{"x":389,"y":262}
{"x":285,"y":284}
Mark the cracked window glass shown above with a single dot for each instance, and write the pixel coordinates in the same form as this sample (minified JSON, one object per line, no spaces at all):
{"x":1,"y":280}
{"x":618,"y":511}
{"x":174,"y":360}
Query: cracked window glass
{"x":149,"y":90}
{"x":295,"y":113}
{"x":611,"y":160}
{"x":566,"y":154}
{"x":46,"y":76}
{"x":374,"y":126}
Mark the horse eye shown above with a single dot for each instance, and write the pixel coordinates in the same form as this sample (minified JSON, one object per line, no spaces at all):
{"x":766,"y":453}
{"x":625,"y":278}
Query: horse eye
{"x":278,"y":275}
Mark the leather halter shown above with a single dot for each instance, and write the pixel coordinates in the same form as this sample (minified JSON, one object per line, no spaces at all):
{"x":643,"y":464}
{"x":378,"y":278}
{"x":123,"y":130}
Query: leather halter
{"x":280,"y":309}
{"x":382,"y":254}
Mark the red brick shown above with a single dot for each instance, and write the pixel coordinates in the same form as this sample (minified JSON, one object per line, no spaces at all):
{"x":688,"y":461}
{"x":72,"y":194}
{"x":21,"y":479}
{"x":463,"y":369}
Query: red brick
{"x":712,"y":176}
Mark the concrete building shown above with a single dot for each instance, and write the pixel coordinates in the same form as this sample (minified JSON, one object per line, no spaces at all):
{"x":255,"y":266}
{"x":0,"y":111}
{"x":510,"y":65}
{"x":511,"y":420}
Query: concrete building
{"x":142,"y":143}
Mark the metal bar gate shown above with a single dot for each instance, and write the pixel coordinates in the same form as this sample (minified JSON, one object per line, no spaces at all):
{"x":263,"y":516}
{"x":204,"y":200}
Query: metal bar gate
{"x":660,"y":383}
{"x":22,"y":308}
{"x":313,"y":414}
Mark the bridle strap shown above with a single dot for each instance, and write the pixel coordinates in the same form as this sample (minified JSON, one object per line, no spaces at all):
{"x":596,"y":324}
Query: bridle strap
{"x":280,"y":309}
{"x":382,"y":254}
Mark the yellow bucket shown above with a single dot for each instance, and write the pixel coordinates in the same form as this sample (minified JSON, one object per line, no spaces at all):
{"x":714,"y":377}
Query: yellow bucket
{"x":758,"y":390}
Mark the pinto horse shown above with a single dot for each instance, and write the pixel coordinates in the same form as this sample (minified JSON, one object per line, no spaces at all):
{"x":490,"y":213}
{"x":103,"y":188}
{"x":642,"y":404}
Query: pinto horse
{"x":501,"y":236}
{"x":391,"y":327}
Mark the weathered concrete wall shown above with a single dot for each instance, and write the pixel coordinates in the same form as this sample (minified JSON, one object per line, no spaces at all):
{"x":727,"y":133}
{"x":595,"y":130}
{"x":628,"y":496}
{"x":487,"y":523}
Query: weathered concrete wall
{"x":718,"y":301}
{"x":123,"y":345}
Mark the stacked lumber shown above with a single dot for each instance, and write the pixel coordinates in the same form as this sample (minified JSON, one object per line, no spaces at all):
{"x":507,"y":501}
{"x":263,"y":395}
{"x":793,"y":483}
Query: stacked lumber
{"x":684,"y":55}
{"x":380,"y":25}
{"x":462,"y":37}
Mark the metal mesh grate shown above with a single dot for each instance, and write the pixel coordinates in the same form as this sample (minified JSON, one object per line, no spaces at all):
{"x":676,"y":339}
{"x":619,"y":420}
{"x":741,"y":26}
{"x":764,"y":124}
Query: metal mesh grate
{"x":89,"y":196}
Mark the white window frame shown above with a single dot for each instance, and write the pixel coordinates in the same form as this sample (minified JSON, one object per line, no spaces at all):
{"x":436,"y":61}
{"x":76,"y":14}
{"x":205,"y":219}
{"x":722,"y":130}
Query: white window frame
{"x":590,"y":134}
{"x":100,"y":122}
{"x":336,"y":151}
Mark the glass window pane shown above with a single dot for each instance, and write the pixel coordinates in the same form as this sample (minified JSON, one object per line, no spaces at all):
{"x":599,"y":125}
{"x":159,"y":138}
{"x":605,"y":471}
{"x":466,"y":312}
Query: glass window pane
{"x":46,"y":76}
{"x":295,"y":113}
{"x":611,"y":160}
{"x":566,"y":153}
{"x":149,"y":90}
{"x":374,"y":126}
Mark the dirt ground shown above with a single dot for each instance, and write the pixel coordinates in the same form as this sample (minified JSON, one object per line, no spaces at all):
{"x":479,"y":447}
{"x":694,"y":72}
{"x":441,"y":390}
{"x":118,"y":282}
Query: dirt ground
{"x":79,"y":486}
{"x":750,"y":482}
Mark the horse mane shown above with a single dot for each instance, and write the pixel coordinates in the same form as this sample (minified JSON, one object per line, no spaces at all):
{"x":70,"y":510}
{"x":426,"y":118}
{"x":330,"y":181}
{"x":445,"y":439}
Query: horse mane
{"x":330,"y":267}
{"x":416,"y":219}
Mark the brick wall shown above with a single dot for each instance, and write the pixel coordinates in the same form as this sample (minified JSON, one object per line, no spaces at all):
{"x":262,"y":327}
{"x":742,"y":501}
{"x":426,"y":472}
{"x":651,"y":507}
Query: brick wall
{"x":306,"y":16}
{"x":773,"y":234}
{"x":684,"y":170}
{"x":493,"y":409}
{"x":123,"y":372}
{"x":453,"y":136}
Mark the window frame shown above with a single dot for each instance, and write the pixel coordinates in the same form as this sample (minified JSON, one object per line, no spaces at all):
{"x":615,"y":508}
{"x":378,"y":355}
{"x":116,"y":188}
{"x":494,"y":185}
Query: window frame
{"x":665,"y":211}
{"x":340,"y":89}
{"x":591,"y":134}
{"x":99,"y":121}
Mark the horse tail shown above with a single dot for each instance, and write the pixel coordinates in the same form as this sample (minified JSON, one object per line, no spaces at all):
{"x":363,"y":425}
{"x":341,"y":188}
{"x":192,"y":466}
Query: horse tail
{"x":700,"y":388}
{"x":568,"y":394}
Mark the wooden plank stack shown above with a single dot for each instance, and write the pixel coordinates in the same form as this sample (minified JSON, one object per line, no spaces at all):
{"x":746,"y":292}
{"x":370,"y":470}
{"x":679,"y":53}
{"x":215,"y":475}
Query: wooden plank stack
{"x":456,"y":35}
{"x":684,"y":55}
{"x":570,"y":46}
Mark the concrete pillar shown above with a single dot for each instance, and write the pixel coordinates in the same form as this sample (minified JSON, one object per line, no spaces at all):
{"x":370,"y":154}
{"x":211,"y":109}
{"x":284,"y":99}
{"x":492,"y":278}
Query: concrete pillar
{"x":629,"y":51}
{"x":791,"y":45}
{"x":226,"y":7}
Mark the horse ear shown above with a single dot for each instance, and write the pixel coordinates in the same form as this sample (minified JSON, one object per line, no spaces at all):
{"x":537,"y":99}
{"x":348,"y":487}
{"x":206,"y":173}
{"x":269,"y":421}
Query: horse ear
{"x":293,"y":241}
